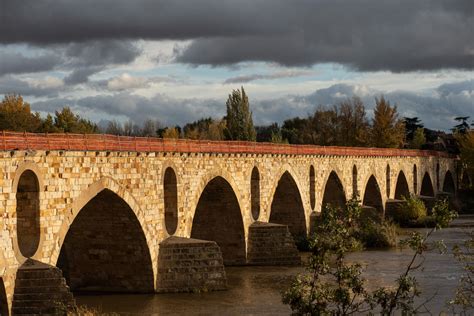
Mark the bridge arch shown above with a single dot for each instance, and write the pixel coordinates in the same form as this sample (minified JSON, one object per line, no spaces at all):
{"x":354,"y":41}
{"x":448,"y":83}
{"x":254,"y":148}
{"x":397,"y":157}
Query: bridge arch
{"x":427,"y":186}
{"x":355,"y":189}
{"x":312,"y":187}
{"x":3,"y":299}
{"x":28,"y":187}
{"x":372,"y":194}
{"x":105,"y":183}
{"x":415,"y":180}
{"x":255,"y":193}
{"x":465,"y":180}
{"x":333,"y":193}
{"x":170,"y":196}
{"x":401,"y":189}
{"x":448,"y":183}
{"x":388,"y":176}
{"x":106,"y":249}
{"x":218,"y":217}
{"x":287,"y":206}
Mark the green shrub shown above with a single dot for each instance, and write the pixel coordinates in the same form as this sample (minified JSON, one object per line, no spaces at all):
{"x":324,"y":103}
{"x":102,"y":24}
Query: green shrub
{"x":377,"y":235}
{"x":412,"y":210}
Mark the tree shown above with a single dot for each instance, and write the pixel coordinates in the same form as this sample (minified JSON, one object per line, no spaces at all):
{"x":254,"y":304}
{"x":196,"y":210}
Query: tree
{"x":15,"y":115}
{"x":239,"y":117}
{"x":466,"y":146}
{"x":418,"y":139}
{"x":67,"y":122}
{"x":463,"y":126}
{"x":352,"y":123}
{"x":170,"y":132}
{"x":387,"y":129}
{"x":411,"y":125}
{"x":114,"y":128}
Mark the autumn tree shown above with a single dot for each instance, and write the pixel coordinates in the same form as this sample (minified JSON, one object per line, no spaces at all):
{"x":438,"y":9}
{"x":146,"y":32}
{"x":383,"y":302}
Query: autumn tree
{"x":171,"y":132}
{"x":466,"y":146}
{"x":239,"y":117}
{"x":388,"y":130}
{"x":16,"y":115}
{"x":352,"y":126}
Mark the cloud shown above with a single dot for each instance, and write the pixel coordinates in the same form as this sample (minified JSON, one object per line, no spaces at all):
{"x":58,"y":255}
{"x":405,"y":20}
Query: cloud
{"x":16,"y":63}
{"x":367,"y":35}
{"x":271,"y":76}
{"x":125,"y":82}
{"x":435,"y":110}
{"x":48,"y":86}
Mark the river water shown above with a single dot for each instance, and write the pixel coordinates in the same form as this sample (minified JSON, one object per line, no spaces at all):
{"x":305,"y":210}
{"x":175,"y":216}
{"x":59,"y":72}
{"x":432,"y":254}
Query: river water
{"x":256,"y":290}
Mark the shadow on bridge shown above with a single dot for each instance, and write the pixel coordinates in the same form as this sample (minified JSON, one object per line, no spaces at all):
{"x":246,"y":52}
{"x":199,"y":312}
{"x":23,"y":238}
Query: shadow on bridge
{"x":287,"y":206}
{"x":105,"y":249}
{"x":218,"y":218}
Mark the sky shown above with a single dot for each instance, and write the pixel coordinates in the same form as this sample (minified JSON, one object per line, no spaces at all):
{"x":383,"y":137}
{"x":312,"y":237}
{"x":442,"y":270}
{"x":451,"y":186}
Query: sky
{"x":176,"y":61}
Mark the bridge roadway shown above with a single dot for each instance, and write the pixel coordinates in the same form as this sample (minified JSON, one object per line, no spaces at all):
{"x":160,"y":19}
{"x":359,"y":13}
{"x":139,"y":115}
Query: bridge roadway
{"x":101,"y":205}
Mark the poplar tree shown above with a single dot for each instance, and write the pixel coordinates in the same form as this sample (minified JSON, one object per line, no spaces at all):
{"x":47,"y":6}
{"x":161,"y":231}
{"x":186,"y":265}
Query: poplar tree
{"x":239,"y":117}
{"x":388,"y":130}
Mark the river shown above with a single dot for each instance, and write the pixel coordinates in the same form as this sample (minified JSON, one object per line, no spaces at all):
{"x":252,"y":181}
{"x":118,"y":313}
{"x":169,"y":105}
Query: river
{"x":256,"y":290}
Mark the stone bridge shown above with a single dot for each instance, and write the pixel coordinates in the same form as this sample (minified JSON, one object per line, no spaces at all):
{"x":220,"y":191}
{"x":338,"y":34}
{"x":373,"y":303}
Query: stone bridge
{"x":99,"y":206}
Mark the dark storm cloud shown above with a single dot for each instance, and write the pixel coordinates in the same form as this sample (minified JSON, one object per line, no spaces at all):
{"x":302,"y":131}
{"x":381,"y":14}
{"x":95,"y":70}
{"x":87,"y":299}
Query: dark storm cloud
{"x":16,"y":63}
{"x":400,"y":35}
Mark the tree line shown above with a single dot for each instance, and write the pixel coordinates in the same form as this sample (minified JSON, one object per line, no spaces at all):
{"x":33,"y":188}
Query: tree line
{"x":343,"y":124}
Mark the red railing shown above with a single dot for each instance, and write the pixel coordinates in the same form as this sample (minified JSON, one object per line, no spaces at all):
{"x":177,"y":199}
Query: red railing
{"x":102,"y":142}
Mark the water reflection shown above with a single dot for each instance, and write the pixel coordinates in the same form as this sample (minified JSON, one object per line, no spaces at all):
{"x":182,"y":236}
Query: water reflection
{"x":256,"y":290}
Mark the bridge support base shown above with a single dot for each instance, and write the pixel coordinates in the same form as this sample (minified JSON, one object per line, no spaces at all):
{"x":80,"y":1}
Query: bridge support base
{"x":41,"y":289}
{"x":271,"y":244}
{"x":392,"y":208}
{"x":190,"y":265}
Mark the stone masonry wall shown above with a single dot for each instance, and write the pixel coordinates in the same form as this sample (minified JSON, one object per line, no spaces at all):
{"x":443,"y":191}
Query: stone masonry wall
{"x":68,"y":180}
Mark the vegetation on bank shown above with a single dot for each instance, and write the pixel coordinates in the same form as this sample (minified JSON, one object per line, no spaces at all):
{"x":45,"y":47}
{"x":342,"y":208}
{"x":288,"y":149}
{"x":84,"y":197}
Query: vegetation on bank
{"x":332,"y":286}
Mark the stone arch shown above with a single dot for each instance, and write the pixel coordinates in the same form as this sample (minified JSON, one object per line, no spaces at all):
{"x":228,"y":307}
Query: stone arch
{"x":465,"y":180}
{"x":287,"y":206}
{"x":218,"y":217}
{"x":448,"y":183}
{"x":388,"y":180}
{"x":415,"y":179}
{"x":437,"y":176}
{"x":427,"y":186}
{"x":80,"y":202}
{"x":333,"y":192}
{"x":3,"y":299}
{"x":255,"y":193}
{"x":355,"y":189}
{"x":312,"y":187}
{"x":27,"y":187}
{"x":402,"y":189}
{"x":372,"y":194}
{"x":170,"y":194}
{"x":105,"y":248}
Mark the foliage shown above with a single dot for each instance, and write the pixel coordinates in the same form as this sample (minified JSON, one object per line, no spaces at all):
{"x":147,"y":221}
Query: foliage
{"x":466,"y":144}
{"x":15,"y":115}
{"x":377,"y":235}
{"x":412,"y":210}
{"x":170,"y":132}
{"x":334,"y":287}
{"x":464,"y":298}
{"x":65,"y":121}
{"x":206,"y":128}
{"x":388,"y":131}
{"x":418,"y":140}
{"x":463,"y":127}
{"x":239,"y":117}
{"x":411,"y":125}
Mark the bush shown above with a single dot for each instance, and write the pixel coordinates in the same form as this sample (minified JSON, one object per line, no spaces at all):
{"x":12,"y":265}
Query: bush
{"x":377,"y":235}
{"x":412,"y":210}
